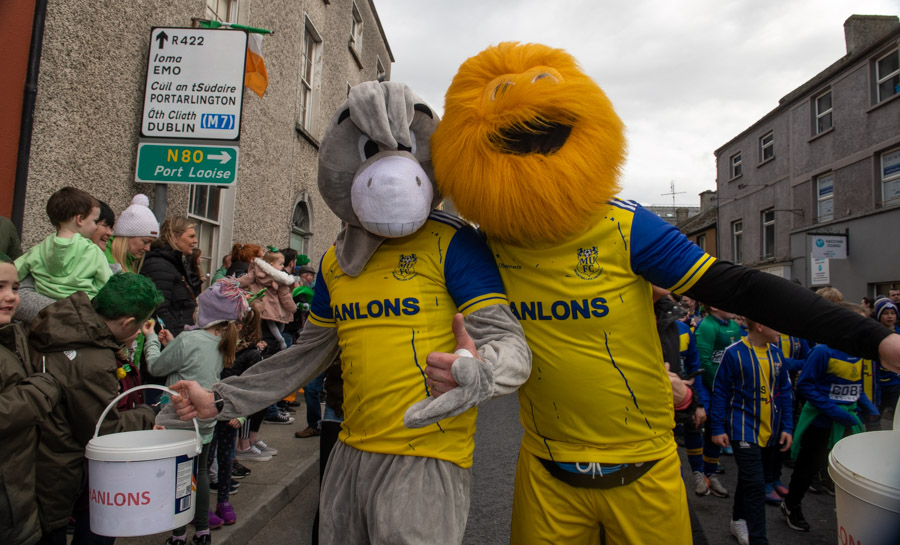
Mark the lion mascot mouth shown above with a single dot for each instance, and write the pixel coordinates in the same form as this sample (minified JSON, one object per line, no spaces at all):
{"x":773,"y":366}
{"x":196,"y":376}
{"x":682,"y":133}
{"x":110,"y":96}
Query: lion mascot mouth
{"x":529,"y":147}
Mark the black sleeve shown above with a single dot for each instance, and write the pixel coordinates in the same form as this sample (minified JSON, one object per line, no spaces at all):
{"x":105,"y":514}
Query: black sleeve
{"x":788,"y":308}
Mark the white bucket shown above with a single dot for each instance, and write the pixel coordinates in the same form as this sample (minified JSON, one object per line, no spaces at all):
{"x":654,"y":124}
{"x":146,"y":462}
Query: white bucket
{"x":141,"y":482}
{"x":866,"y":473}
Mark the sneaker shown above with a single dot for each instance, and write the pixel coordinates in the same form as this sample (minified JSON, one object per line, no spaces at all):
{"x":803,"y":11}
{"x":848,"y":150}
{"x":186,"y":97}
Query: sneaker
{"x":214,"y":523}
{"x":728,"y":451}
{"x":698,"y":480}
{"x":720,"y":469}
{"x":234,"y":488}
{"x":226,"y":512}
{"x":266,"y":449}
{"x":827,"y":486}
{"x":213,"y":485}
{"x":279,"y":418}
{"x":202,"y":540}
{"x":239,"y":471}
{"x":308,"y":432}
{"x":739,"y":531}
{"x":772,"y":496}
{"x":173,"y":541}
{"x":781,"y":489}
{"x":715,"y":487}
{"x":794,"y":517}
{"x":253,"y":454}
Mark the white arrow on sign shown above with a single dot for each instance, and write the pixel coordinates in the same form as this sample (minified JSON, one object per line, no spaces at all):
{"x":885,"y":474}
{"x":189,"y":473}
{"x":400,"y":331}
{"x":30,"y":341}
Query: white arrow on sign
{"x":223,"y":157}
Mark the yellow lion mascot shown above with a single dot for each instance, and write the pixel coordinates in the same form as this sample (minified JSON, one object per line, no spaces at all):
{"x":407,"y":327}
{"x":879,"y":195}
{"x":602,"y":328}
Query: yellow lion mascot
{"x":530,"y":149}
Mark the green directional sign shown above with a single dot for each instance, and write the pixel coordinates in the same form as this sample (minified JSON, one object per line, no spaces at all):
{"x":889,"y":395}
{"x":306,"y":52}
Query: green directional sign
{"x":170,"y":163}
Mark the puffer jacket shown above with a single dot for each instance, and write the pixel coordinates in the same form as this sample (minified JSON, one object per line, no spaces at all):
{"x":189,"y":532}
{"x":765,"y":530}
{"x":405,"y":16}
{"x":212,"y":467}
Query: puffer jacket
{"x":278,"y":303}
{"x":166,"y":267}
{"x":25,"y":399}
{"x":79,"y":351}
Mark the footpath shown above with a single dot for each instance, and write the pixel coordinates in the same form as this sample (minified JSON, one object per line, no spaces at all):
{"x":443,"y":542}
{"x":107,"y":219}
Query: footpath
{"x":270,"y":486}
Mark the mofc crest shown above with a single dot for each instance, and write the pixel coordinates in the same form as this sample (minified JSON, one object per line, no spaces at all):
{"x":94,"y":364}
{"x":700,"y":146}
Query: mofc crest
{"x":406,"y":269}
{"x":588,"y":266}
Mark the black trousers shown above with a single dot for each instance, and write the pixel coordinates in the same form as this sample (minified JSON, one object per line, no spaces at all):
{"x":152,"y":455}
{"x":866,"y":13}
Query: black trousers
{"x":812,"y":459}
{"x":750,"y":493}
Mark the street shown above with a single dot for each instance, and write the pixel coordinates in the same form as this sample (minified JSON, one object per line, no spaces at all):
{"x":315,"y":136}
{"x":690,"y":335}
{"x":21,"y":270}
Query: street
{"x":496,"y":450}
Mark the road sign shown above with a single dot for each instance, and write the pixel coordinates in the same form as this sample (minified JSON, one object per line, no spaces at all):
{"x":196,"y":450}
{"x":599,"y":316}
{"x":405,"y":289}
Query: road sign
{"x":820,"y":274}
{"x":195,"y":83}
{"x":174,"y":163}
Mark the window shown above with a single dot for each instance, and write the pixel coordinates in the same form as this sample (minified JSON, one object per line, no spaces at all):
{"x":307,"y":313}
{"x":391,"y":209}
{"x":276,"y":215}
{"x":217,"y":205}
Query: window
{"x":310,"y":72}
{"x":300,"y":225}
{"x":737,"y":242}
{"x":224,"y":11}
{"x":356,"y":30}
{"x":203,"y":208}
{"x":379,"y":70}
{"x":823,"y":112}
{"x":767,"y":147}
{"x":887,"y":75}
{"x":890,"y":177}
{"x":736,"y":165}
{"x":768,"y":233}
{"x":825,"y":196}
{"x":701,"y":242}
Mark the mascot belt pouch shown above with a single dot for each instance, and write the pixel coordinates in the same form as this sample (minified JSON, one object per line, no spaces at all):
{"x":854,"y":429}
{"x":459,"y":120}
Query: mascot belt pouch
{"x":596,"y":475}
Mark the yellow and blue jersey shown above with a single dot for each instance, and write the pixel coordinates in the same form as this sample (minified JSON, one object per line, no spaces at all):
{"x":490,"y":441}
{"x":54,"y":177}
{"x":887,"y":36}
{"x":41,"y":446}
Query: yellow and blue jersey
{"x":598,"y":391}
{"x":751,"y":398}
{"x":390,"y":317}
{"x":830,"y":378}
{"x":795,"y":351}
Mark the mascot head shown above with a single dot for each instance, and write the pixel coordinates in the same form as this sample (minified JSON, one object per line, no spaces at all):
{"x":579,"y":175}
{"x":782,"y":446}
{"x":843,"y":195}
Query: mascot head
{"x":375,"y":168}
{"x":530,"y":147}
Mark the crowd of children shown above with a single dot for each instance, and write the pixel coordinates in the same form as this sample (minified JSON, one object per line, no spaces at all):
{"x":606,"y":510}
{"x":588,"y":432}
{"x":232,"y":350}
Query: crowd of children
{"x":773,"y":400}
{"x":95,"y":296}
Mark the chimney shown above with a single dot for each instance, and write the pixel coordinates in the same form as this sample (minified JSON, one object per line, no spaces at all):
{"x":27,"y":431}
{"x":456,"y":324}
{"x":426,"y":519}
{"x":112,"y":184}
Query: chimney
{"x":707,"y":200}
{"x":681,"y":214}
{"x":861,"y":31}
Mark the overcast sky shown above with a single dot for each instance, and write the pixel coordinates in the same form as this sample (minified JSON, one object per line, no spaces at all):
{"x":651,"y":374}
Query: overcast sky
{"x":685,"y":76}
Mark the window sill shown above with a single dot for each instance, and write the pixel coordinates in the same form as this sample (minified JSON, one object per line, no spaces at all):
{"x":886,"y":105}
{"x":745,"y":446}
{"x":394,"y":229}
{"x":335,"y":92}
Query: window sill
{"x":310,"y":138}
{"x":829,"y":130}
{"x":896,"y":96}
{"x":736,"y":177}
{"x":769,"y":160}
{"x":351,"y":46}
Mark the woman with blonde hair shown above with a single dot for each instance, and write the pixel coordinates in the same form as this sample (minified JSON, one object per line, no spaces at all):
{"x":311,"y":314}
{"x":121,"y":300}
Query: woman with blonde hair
{"x":166,"y":264}
{"x":133,"y":234}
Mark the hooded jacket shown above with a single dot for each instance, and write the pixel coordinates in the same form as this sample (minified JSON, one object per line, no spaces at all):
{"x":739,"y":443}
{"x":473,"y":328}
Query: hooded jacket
{"x":278,"y":302}
{"x":79,"y":351}
{"x":62,"y":266}
{"x":25,"y":399}
{"x":165,"y":266}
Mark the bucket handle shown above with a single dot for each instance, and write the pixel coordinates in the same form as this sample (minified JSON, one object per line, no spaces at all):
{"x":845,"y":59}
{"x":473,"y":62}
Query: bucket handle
{"x":145,"y":387}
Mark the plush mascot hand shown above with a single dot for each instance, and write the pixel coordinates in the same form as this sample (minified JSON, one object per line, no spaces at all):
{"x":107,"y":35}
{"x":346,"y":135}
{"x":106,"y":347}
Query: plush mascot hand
{"x":470,"y":382}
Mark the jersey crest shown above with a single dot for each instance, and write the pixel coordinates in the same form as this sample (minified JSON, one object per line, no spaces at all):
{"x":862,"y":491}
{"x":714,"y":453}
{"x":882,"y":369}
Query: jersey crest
{"x":588,"y":266}
{"x":406,"y":269}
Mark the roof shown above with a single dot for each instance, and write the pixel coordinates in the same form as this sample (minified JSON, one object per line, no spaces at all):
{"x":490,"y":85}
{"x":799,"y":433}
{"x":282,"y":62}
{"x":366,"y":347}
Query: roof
{"x":701,"y":222}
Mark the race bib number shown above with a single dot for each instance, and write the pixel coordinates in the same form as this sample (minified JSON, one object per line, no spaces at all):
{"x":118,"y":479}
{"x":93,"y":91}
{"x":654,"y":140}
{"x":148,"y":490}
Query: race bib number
{"x":845,"y":392}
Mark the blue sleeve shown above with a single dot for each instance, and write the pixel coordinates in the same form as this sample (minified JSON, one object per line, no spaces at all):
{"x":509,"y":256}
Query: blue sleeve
{"x":793,"y":365}
{"x":815,"y":366}
{"x":320,"y":311}
{"x":663,"y":255}
{"x":786,"y":403}
{"x":804,"y":349}
{"x":867,"y":406}
{"x":470,"y":272}
{"x":723,"y":385}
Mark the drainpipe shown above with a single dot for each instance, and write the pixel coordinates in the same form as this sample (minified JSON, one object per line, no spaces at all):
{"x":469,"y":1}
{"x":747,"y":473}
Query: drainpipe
{"x":27,"y":125}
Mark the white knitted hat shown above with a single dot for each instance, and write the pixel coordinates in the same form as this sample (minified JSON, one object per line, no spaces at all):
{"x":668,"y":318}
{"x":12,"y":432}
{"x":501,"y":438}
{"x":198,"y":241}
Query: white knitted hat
{"x":137,"y":220}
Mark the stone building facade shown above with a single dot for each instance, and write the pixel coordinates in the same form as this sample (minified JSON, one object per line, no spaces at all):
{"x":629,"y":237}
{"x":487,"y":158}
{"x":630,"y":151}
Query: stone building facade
{"x":825,"y":162}
{"x":89,"y":102}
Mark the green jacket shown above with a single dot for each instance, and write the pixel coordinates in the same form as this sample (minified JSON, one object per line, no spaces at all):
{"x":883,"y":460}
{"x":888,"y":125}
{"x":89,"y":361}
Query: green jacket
{"x":713,"y":337}
{"x":63,"y":266}
{"x":26,"y":398}
{"x":9,"y":239}
{"x":80,"y":352}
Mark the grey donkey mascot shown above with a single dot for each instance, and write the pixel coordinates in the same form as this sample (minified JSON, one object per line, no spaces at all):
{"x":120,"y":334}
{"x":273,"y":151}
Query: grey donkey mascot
{"x":412,"y":298}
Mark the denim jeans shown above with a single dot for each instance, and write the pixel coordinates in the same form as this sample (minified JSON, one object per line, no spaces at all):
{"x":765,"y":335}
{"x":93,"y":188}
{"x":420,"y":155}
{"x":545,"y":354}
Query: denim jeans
{"x":750,"y":493}
{"x":312,"y":394}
